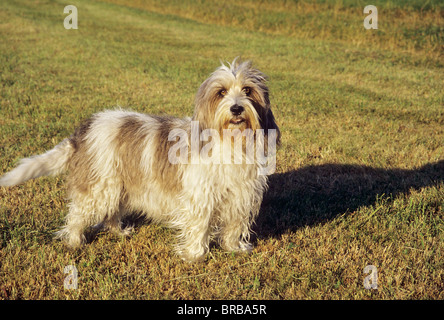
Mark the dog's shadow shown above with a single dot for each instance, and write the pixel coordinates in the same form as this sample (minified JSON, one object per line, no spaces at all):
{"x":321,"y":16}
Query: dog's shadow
{"x":319,"y":193}
{"x":316,"y":194}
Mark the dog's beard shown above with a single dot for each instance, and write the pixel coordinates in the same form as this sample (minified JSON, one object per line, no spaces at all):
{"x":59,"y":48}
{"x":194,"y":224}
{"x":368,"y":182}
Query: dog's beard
{"x":224,"y":118}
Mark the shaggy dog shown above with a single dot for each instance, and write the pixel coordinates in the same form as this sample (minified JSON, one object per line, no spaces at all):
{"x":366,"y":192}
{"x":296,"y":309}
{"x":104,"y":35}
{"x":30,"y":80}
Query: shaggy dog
{"x":178,"y":172}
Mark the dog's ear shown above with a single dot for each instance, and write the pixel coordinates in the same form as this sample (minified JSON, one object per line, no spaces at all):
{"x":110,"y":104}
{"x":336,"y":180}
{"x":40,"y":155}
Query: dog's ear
{"x":261,"y":101}
{"x":203,"y":102}
{"x":268,"y":122}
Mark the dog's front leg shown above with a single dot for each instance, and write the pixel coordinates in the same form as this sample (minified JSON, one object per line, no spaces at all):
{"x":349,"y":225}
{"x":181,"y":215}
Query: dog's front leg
{"x":235,"y":234}
{"x":194,"y":235}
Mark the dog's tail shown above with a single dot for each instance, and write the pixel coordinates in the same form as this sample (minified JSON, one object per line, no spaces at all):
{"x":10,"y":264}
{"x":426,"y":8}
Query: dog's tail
{"x":52,"y":162}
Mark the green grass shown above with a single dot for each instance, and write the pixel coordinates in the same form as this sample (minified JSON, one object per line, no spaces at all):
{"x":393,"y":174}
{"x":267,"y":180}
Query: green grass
{"x":360,"y":171}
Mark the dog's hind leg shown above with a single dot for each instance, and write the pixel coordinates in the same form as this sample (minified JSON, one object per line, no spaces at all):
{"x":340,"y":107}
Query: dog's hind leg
{"x":115,"y":226}
{"x":97,"y":206}
{"x":73,"y":232}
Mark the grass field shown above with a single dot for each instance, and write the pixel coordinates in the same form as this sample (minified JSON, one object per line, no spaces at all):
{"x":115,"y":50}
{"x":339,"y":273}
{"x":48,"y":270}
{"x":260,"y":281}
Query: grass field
{"x":360,"y":173}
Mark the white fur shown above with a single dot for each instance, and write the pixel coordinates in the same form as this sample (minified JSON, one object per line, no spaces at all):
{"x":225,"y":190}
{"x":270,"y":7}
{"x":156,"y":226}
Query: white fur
{"x":52,"y":162}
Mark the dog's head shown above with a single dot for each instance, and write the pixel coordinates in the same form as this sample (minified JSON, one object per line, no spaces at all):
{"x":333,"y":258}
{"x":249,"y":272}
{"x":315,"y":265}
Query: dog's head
{"x":235,"y":97}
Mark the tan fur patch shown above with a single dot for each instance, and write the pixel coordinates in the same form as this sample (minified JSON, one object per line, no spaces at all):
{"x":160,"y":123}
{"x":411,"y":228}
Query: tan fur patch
{"x":131,"y":143}
{"x":167,"y":174}
{"x":129,"y":148}
{"x":79,"y":166}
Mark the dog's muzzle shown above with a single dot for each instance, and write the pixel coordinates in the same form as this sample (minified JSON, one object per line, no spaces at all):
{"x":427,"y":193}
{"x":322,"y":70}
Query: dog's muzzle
{"x":236,"y":111}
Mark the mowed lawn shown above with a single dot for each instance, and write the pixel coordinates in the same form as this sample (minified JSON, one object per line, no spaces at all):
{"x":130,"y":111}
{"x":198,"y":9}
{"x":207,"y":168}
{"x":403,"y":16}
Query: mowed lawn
{"x":360,"y":172}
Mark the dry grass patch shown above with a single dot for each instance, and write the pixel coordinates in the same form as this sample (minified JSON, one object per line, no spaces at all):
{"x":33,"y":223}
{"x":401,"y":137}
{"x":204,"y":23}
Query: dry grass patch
{"x":360,"y":171}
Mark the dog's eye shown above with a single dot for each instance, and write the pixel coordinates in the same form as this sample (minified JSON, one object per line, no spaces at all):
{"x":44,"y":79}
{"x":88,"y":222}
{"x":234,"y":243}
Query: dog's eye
{"x":246,"y":90}
{"x":223,"y":92}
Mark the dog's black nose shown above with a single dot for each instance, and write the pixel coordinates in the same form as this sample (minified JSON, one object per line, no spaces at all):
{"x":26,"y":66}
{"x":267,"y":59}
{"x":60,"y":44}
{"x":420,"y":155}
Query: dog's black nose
{"x":236,"y":110}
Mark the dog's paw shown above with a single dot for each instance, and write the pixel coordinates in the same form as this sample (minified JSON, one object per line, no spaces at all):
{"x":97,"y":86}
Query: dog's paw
{"x":239,"y":247}
{"x":123,"y":232}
